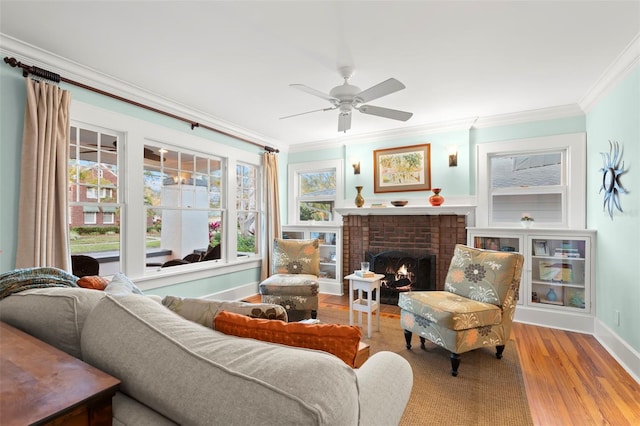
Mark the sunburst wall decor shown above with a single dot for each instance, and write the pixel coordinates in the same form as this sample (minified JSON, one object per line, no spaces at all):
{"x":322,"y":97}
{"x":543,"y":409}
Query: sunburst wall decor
{"x":612,"y":168}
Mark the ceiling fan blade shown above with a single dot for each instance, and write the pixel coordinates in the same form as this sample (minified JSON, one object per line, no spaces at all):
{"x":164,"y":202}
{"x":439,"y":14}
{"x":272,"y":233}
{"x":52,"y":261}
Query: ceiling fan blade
{"x":344,"y":121}
{"x":379,"y":90}
{"x":314,"y":92}
{"x":385,"y":112}
{"x":308,"y":112}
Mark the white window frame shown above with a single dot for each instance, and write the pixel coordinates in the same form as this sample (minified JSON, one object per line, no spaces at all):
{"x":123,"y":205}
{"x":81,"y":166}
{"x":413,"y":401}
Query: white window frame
{"x":136,"y":133}
{"x":111,"y":218}
{"x":574,"y":149}
{"x":257,"y":210}
{"x":295,"y":170}
{"x":89,"y":218}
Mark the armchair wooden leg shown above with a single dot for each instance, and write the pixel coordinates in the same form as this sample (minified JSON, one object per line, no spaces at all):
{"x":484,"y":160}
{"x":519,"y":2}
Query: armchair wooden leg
{"x":455,"y":363}
{"x":407,"y":338}
{"x":422,"y":340}
{"x":499,"y":350}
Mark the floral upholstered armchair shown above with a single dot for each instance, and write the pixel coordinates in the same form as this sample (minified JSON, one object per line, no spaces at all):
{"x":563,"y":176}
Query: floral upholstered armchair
{"x":294,"y":283}
{"x":475,"y":309}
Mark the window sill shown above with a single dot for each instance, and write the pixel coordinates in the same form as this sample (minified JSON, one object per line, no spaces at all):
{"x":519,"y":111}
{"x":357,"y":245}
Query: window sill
{"x":185,"y":273}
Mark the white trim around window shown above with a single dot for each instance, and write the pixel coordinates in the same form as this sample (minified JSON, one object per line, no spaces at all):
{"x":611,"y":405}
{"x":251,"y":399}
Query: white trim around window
{"x":296,"y":169}
{"x":574,"y":150}
{"x":136,"y":133}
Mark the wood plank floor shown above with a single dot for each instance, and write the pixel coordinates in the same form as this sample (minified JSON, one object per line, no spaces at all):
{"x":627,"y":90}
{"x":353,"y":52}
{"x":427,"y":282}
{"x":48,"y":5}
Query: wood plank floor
{"x":570,"y":379}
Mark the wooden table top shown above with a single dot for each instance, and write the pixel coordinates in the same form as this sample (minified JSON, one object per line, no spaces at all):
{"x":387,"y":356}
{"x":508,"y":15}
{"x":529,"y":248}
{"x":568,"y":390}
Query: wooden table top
{"x":38,"y":381}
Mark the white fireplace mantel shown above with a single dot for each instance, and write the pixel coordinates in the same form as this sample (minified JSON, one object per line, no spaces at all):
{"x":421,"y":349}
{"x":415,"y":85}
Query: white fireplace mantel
{"x":415,"y":210}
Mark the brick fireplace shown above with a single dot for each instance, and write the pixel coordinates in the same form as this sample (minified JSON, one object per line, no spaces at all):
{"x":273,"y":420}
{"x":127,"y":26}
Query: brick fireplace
{"x":417,"y":235}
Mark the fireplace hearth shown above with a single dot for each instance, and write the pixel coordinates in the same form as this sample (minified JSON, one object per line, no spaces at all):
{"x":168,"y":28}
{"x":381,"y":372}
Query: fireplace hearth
{"x":402,"y":272}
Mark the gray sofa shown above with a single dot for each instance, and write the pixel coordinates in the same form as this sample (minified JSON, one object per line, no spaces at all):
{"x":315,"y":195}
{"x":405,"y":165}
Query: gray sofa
{"x":175,"y":371}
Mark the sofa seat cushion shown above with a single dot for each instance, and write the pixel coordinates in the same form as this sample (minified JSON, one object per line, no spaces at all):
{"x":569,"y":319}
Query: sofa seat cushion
{"x":203,"y":311}
{"x":55,"y":315}
{"x":340,"y":340}
{"x":290,"y":285}
{"x":195,"y":375}
{"x":449,"y":310}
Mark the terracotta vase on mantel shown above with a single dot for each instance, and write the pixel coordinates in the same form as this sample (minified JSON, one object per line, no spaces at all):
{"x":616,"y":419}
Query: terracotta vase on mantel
{"x":359,"y":198}
{"x":436,"y":199}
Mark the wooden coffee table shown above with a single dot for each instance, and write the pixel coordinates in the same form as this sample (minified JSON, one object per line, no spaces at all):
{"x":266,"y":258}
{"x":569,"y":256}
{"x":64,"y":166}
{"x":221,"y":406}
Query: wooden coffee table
{"x":362,"y":355}
{"x":43,"y":385}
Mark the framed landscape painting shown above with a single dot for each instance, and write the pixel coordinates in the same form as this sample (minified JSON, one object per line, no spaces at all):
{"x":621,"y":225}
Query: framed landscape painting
{"x":406,"y":168}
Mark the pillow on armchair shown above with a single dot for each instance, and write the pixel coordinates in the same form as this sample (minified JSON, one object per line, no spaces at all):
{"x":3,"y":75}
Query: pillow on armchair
{"x":296,"y":256}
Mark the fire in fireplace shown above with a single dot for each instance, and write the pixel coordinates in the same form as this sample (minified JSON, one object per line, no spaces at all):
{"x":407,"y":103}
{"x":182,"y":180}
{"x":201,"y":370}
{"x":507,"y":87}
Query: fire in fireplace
{"x":402,"y":272}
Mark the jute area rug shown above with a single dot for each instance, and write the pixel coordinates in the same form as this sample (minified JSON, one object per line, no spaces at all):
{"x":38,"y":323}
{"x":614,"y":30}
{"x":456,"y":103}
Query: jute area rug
{"x":487,"y":391}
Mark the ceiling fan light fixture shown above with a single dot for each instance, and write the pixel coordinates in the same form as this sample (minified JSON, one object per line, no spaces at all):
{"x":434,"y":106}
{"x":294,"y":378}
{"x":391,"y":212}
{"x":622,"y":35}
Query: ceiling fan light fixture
{"x":347,"y":97}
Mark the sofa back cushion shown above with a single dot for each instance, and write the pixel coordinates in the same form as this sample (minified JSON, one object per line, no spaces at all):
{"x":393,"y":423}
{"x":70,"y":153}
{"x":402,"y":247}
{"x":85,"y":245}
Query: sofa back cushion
{"x":203,"y":311}
{"x":340,"y":340}
{"x":54,"y":315}
{"x":485,"y":275}
{"x":292,"y":256}
{"x":196,"y":375}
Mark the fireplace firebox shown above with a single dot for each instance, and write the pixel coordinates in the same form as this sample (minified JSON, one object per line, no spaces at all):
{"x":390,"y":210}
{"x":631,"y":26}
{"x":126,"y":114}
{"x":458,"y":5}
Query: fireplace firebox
{"x":402,"y":272}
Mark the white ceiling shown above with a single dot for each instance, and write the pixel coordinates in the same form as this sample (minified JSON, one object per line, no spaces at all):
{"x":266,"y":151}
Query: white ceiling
{"x":234,"y":60}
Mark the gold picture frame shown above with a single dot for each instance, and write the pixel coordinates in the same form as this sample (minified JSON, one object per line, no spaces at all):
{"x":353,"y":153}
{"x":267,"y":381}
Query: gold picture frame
{"x":402,"y":169}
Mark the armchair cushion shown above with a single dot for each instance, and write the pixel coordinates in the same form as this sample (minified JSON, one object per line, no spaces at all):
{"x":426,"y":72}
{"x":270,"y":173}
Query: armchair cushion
{"x":296,"y":256}
{"x":340,"y":340}
{"x":484,"y":275}
{"x":450,"y":310}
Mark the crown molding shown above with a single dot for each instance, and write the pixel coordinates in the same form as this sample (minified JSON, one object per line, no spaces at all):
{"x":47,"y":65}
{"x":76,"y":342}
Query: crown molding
{"x":614,"y":74}
{"x":404,"y":132}
{"x":542,"y":114}
{"x":33,"y":55}
{"x":551,"y":113}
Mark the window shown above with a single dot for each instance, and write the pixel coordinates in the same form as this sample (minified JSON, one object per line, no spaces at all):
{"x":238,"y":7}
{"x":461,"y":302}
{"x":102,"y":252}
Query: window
{"x":532,"y":176}
{"x":247,"y":208}
{"x":183,"y":201}
{"x":314,"y":189}
{"x":180,"y":199}
{"x":93,"y":187}
{"x":108,"y":215}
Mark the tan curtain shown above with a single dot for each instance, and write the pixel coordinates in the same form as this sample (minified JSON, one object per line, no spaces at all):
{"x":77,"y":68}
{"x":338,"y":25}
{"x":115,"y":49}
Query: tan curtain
{"x":272,"y":211}
{"x":43,"y":224}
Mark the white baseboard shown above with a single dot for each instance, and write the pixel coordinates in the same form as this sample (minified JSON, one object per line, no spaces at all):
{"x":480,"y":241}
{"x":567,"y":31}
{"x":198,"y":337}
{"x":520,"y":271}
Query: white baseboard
{"x":236,"y":293}
{"x":626,"y":356}
{"x":562,"y":320}
{"x":330,"y":288}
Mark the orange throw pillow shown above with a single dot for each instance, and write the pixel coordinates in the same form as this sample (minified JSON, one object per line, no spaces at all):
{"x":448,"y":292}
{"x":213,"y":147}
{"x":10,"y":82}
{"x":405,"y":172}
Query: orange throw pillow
{"x":340,"y":340}
{"x":93,"y":282}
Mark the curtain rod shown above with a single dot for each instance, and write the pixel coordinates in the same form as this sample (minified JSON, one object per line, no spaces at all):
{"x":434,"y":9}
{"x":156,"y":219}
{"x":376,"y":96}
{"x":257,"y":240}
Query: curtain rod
{"x":48,"y":75}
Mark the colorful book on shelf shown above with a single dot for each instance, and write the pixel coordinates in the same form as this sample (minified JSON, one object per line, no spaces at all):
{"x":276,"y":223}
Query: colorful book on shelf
{"x":364,"y":274}
{"x":567,"y":252}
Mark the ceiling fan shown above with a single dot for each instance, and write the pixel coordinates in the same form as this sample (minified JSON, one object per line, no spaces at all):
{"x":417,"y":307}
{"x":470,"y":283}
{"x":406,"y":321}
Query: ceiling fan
{"x":347,"y":97}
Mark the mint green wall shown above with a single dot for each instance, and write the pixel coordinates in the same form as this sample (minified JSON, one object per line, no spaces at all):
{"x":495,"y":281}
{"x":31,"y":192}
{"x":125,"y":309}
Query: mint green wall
{"x":616,"y":117}
{"x":12,"y":103}
{"x":455,"y":181}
